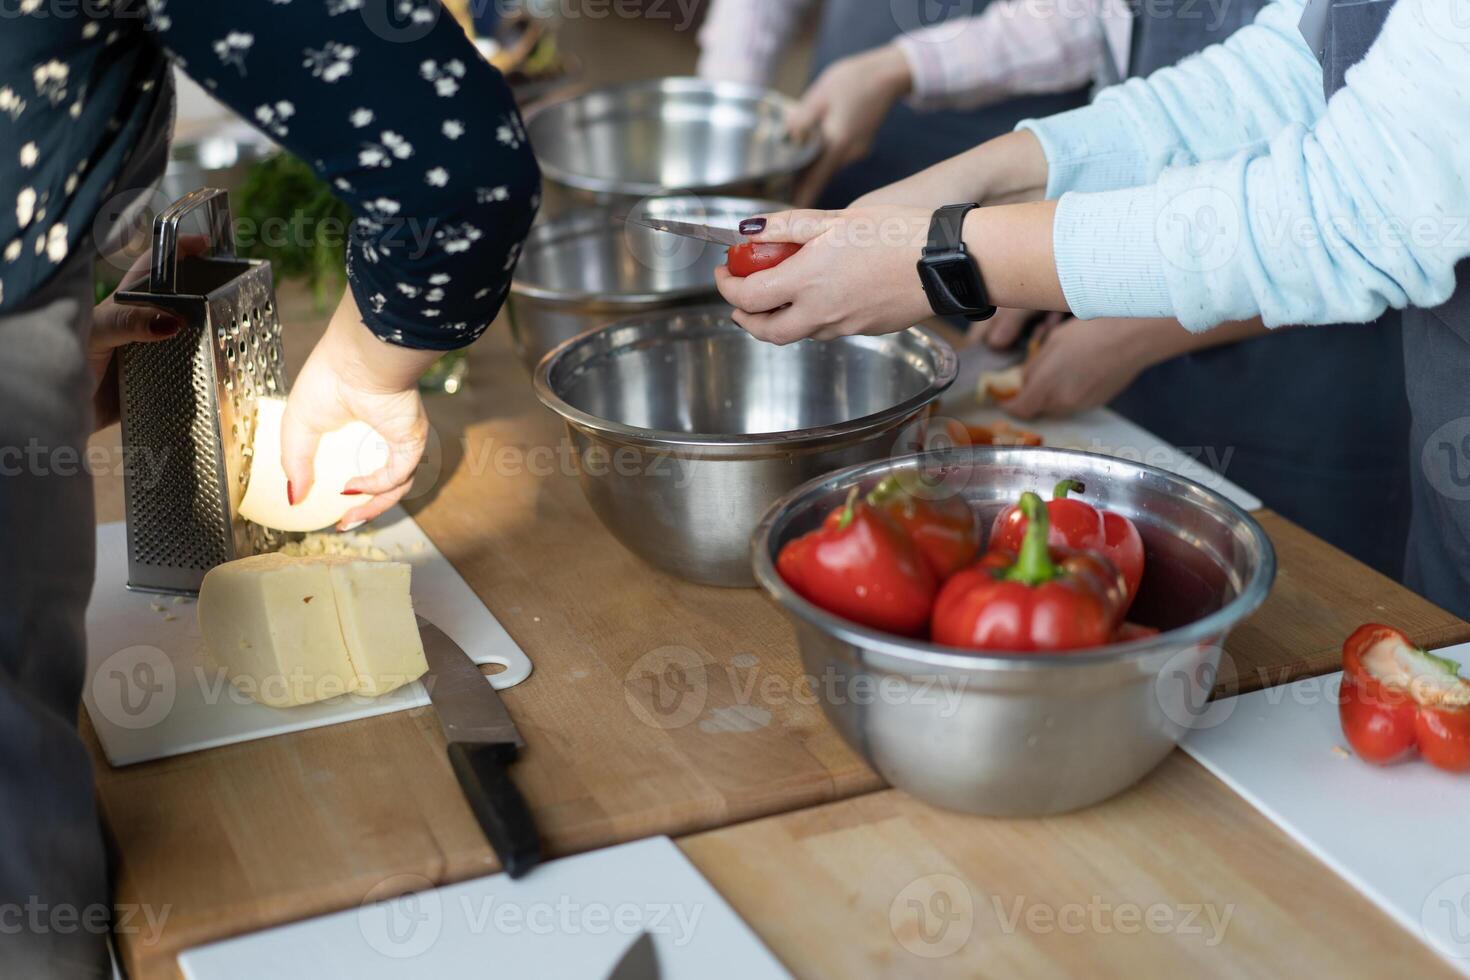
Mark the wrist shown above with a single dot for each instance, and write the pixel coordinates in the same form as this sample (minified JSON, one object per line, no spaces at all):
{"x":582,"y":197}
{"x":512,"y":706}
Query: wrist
{"x":890,"y":68}
{"x":366,"y":362}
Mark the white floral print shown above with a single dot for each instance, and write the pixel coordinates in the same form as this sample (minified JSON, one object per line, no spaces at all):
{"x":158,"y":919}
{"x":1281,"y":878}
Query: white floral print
{"x":417,"y":14}
{"x":383,"y":153}
{"x":29,"y":155}
{"x":361,"y":117}
{"x":10,"y":103}
{"x":438,"y":177}
{"x":273,"y":117}
{"x":25,"y":207}
{"x":335,"y":7}
{"x":452,"y":128}
{"x":51,"y":78}
{"x":484,"y":195}
{"x":445,"y":77}
{"x":332,"y":63}
{"x":457,"y":238}
{"x":232,"y":49}
{"x":511,"y":132}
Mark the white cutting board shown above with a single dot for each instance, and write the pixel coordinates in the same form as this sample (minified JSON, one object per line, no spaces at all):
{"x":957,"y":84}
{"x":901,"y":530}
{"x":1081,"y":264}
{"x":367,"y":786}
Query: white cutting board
{"x":150,"y":695}
{"x":1399,"y":834}
{"x":1100,"y":430}
{"x":570,"y":919}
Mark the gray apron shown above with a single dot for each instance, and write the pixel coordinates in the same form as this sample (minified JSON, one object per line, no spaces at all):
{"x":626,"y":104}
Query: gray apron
{"x":909,"y":140}
{"x":52,"y":859}
{"x":1295,"y":417}
{"x":1436,"y":346}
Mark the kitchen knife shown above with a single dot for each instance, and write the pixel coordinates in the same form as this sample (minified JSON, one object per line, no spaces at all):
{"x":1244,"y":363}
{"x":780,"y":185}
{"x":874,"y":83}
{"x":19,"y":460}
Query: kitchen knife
{"x":483,"y":742}
{"x":690,"y":229}
{"x":639,"y":962}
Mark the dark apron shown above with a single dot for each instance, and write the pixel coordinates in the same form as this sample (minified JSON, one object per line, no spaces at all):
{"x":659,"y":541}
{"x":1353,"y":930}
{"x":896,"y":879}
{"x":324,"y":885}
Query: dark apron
{"x":909,"y":140}
{"x":1313,"y":421}
{"x":1436,"y":346}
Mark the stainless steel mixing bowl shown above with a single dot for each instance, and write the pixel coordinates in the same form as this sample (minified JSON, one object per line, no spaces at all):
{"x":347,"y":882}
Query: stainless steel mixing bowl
{"x":627,"y":142}
{"x":1025,"y":734}
{"x":589,"y":268}
{"x":685,"y":428}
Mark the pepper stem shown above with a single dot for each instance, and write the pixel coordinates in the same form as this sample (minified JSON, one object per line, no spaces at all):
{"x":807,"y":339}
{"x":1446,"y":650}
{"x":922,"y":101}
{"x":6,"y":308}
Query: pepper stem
{"x":887,"y":488}
{"x":1033,"y":562}
{"x":1066,"y":487}
{"x":849,"y":510}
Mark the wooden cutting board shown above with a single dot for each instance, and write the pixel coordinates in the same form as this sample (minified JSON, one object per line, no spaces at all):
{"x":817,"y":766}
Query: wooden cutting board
{"x":655,"y":707}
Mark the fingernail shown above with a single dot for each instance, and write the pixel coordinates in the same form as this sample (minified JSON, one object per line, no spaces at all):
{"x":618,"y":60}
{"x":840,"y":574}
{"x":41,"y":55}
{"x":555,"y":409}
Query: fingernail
{"x":290,"y":494}
{"x":752,"y":226}
{"x":352,"y":493}
{"x":164,"y":325}
{"x":351,"y":527}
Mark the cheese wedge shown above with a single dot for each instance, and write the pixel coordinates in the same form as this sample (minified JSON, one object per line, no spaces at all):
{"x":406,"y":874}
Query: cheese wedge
{"x":354,"y":450}
{"x":295,"y":630}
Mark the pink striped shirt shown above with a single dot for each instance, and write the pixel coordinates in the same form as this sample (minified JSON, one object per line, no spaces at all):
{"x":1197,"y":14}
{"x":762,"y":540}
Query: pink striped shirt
{"x":1013,"y":47}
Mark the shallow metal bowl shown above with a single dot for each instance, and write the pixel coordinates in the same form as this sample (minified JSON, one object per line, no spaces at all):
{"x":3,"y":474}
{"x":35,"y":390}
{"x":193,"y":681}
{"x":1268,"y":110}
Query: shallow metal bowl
{"x":1026,"y":734}
{"x":685,"y":428}
{"x":589,"y":267}
{"x":663,"y":135}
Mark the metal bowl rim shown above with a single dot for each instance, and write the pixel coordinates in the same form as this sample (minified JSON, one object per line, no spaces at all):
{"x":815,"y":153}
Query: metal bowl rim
{"x":674,"y":84}
{"x":594,"y":302}
{"x":927,"y":654}
{"x":946,"y":368}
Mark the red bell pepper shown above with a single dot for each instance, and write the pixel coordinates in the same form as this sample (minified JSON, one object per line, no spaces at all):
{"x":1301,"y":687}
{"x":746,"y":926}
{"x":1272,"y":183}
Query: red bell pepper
{"x":1396,"y":697}
{"x":749,"y":258}
{"x":1081,"y":527}
{"x":862,"y":566}
{"x":1029,"y":600}
{"x":946,"y":531}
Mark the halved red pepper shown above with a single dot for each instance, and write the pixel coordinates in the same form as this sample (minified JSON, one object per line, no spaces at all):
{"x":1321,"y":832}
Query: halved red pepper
{"x":1081,"y":527}
{"x":1030,"y":600}
{"x":946,"y":530}
{"x":1396,"y":697}
{"x":862,"y":566}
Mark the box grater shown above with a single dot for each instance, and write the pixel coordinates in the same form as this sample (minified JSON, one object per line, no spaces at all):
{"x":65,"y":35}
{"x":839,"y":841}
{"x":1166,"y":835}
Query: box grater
{"x":188,"y":404}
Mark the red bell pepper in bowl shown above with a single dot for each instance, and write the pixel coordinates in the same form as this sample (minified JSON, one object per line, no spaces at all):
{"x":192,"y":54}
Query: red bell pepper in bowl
{"x":1081,"y":527}
{"x":1396,"y":697}
{"x":1039,"y":598}
{"x":945,"y":530}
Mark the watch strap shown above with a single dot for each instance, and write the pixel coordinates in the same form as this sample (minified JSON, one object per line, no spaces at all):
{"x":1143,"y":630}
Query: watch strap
{"x":947,"y":229}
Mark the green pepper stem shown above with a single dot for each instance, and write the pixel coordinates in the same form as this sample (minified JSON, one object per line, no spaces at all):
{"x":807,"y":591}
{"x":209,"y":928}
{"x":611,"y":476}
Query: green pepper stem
{"x":1033,"y":562}
{"x":888,"y":488}
{"x":849,"y":510}
{"x":1066,"y":487}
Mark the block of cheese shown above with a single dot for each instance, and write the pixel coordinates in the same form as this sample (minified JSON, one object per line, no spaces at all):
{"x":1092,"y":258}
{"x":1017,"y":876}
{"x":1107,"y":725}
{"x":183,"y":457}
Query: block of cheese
{"x":295,"y":630}
{"x":354,"y":450}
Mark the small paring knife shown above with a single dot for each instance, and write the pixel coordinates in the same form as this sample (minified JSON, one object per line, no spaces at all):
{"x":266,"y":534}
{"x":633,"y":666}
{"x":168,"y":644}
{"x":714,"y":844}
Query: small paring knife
{"x":483,"y":742}
{"x":690,"y":229}
{"x":639,"y":962}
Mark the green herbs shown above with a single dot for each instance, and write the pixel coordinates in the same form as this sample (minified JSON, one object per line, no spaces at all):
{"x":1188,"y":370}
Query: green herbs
{"x":287,"y":216}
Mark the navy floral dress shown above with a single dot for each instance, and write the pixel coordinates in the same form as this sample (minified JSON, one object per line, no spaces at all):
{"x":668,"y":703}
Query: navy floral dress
{"x":386,"y":99}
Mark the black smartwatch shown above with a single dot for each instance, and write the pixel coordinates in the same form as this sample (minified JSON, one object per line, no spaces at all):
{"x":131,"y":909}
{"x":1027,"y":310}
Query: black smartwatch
{"x":950,"y":277}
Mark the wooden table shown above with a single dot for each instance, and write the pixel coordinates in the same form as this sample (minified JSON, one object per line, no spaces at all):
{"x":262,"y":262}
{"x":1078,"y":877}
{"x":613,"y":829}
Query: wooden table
{"x":238,"y":838}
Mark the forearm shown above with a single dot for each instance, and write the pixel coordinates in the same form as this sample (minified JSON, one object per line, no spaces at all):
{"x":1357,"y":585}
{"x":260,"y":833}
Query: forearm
{"x":363,"y":359}
{"x":1007,"y":169}
{"x":1160,"y":340}
{"x":742,"y":40}
{"x":1012,"y":246}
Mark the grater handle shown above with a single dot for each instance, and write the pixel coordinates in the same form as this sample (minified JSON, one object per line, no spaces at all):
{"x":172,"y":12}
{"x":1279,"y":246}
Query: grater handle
{"x":165,"y":263}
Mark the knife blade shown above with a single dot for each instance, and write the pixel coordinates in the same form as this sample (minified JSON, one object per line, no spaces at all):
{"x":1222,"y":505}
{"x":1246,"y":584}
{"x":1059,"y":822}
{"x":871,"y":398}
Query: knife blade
{"x":639,"y":962}
{"x":690,"y":229}
{"x":483,"y":742}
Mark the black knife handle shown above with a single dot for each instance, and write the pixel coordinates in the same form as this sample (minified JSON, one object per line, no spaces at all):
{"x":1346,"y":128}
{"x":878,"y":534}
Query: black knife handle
{"x":483,"y":774}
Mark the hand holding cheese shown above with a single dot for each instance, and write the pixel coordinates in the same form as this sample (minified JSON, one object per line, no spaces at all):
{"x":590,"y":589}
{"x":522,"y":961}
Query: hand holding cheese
{"x":290,"y":631}
{"x":351,"y":451}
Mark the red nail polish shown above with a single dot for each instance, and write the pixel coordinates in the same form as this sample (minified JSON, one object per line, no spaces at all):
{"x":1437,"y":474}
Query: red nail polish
{"x":752,"y":226}
{"x":352,"y":493}
{"x":164,"y":326}
{"x":290,"y":496}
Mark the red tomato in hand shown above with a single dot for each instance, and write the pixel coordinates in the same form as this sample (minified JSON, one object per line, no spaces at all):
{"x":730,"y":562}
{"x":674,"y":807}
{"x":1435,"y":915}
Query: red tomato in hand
{"x":751,"y":257}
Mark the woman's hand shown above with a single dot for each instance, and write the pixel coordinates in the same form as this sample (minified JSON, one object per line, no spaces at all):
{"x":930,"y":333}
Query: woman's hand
{"x":855,"y":274}
{"x":846,"y":105}
{"x":1080,"y":365}
{"x":351,"y":374}
{"x":115,"y":325}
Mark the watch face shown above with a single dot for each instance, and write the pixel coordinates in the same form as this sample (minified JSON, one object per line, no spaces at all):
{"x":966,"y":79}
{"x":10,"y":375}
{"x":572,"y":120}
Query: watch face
{"x":961,"y":281}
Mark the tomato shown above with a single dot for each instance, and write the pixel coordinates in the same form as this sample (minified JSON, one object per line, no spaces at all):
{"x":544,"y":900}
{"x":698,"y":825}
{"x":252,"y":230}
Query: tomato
{"x":749,"y":258}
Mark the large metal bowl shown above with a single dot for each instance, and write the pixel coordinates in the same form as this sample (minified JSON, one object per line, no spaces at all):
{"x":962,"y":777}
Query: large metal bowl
{"x":1025,"y":734}
{"x":589,"y":268}
{"x":620,"y":144}
{"x":685,"y":428}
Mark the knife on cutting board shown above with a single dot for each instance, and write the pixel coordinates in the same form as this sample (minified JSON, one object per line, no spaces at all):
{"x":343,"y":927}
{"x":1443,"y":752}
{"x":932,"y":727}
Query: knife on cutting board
{"x":639,"y":961}
{"x":483,"y":742}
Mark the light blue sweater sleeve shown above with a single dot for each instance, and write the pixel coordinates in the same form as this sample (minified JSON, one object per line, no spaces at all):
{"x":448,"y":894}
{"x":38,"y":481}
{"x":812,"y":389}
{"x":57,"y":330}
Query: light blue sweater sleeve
{"x":1224,"y":188}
